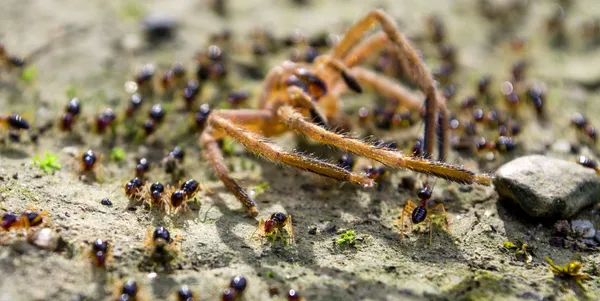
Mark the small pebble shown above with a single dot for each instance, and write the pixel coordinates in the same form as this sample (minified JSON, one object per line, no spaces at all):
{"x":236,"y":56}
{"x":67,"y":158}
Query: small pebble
{"x":312,"y":230}
{"x":546,"y":187}
{"x":106,"y":202}
{"x":45,"y":239}
{"x":583,"y":228}
{"x":562,"y":228}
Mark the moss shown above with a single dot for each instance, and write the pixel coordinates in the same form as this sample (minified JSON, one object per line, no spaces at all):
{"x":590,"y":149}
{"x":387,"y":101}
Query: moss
{"x":480,"y":286}
{"x":347,"y":238}
{"x":117,"y":154}
{"x":48,"y":163}
{"x":29,"y":74}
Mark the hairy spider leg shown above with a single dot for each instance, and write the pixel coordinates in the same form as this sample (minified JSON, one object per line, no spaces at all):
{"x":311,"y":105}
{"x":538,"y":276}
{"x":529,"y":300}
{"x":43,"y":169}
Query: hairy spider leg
{"x":298,"y":123}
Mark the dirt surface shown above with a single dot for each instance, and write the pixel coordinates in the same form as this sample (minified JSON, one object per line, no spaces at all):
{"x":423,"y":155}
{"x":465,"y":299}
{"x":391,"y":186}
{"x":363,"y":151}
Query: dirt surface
{"x":92,"y":46}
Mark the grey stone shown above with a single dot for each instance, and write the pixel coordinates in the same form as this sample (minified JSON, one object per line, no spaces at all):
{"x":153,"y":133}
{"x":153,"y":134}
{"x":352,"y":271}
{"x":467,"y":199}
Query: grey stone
{"x":583,"y":228}
{"x":547,"y":187}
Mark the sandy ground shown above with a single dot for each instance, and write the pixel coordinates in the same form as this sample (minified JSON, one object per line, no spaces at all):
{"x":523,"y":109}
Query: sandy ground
{"x":467,"y":263}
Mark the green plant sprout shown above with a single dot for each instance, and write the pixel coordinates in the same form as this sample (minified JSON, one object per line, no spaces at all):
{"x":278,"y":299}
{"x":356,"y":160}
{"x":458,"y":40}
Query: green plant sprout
{"x":48,"y":163}
{"x":348,"y":237}
{"x":260,"y":188}
{"x":71,"y":92}
{"x":29,"y":74}
{"x":117,"y":154}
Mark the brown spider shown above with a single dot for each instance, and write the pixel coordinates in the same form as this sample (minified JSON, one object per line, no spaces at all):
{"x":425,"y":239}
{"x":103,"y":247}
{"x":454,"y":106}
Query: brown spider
{"x":293,"y":93}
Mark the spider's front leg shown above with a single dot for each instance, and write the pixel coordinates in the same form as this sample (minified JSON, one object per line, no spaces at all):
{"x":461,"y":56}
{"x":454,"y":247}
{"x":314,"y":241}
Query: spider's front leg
{"x":220,"y":123}
{"x":214,"y":155}
{"x":294,"y":120}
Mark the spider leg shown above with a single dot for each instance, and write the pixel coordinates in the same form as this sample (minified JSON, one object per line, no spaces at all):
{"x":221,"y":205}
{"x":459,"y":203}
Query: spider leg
{"x":387,"y":87}
{"x":411,"y":63}
{"x":364,"y":49}
{"x":289,"y":228}
{"x":296,"y":121}
{"x":263,"y":147}
{"x":301,"y":99}
{"x":213,"y":154}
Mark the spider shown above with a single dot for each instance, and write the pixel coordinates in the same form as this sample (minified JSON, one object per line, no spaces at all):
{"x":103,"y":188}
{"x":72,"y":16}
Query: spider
{"x":293,"y":93}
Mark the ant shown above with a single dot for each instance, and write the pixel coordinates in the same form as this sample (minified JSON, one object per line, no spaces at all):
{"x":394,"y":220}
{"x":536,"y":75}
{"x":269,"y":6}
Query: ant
{"x":294,"y":296}
{"x":134,"y":189}
{"x":191,"y":92}
{"x":10,"y":60}
{"x":157,"y":195}
{"x":377,"y":174}
{"x":173,"y":162}
{"x":421,"y":212}
{"x":190,"y":187}
{"x":173,"y":76}
{"x":296,"y":93}
{"x":179,"y":200}
{"x":273,"y":225}
{"x":160,"y":246}
{"x":105,"y":120}
{"x":235,"y":290}
{"x":29,"y":218}
{"x":14,"y":124}
{"x":129,"y":292}
{"x":135,"y":102}
{"x":185,"y":294}
{"x":202,"y":116}
{"x":582,"y":124}
{"x":72,"y":111}
{"x":346,"y":162}
{"x":89,"y":162}
{"x":142,"y":167}
{"x":589,"y":163}
{"x":100,"y":252}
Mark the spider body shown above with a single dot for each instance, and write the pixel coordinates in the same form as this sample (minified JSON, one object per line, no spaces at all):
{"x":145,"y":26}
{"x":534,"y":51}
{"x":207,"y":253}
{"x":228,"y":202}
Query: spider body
{"x":294,"y":94}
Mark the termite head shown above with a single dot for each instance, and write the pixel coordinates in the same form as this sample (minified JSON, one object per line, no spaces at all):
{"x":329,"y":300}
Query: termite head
{"x":424,"y":193}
